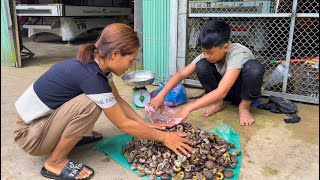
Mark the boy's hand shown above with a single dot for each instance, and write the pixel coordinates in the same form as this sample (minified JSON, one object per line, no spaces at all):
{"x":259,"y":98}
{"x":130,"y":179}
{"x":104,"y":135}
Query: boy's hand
{"x":183,"y":113}
{"x":176,"y":121}
{"x":177,"y":143}
{"x":157,"y":102}
{"x":158,"y":125}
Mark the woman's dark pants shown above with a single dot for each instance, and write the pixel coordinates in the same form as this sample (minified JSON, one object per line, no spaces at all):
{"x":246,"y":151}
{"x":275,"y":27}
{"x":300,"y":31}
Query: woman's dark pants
{"x":247,"y":86}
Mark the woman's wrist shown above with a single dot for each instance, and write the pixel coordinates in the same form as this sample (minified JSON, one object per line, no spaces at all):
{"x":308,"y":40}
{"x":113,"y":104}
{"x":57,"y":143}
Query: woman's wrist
{"x":163,"y":137}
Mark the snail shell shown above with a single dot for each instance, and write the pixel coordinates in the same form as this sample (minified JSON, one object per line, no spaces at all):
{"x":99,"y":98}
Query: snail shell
{"x":228,"y":173}
{"x":166,"y":165}
{"x":200,"y":176}
{"x":165,"y":176}
{"x":166,"y":155}
{"x":177,"y":163}
{"x":147,"y":170}
{"x":160,"y":166}
{"x":234,"y":159}
{"x":188,"y":176}
{"x":232,"y":165}
{"x":185,"y":164}
{"x":143,"y":148}
{"x":158,"y":172}
{"x":209,"y":164}
{"x":154,"y":158}
{"x":235,"y":152}
{"x":182,"y":158}
{"x":211,"y":158}
{"x":208,"y":174}
{"x":220,"y":168}
{"x":142,"y":160}
{"x":179,"y":176}
{"x":130,"y":159}
{"x":168,"y":171}
{"x":153,"y":164}
{"x":176,"y":169}
{"x":187,"y":169}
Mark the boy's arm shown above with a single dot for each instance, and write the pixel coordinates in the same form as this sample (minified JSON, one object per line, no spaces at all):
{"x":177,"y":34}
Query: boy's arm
{"x":224,"y":86}
{"x":177,"y":78}
{"x":158,"y":101}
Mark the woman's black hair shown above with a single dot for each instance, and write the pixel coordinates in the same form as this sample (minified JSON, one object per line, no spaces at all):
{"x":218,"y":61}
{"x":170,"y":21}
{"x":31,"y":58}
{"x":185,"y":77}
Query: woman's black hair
{"x":214,"y":34}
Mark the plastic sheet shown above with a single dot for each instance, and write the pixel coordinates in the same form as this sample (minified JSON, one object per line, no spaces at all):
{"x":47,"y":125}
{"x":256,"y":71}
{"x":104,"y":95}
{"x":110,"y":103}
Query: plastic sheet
{"x":113,"y":146}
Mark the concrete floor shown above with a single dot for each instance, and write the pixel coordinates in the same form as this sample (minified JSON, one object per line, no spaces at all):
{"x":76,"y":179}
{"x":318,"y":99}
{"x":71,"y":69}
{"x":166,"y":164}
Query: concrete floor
{"x":272,"y":149}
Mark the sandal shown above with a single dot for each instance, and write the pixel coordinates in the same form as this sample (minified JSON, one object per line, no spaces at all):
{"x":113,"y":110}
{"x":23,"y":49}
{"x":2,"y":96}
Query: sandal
{"x":89,"y":139}
{"x":69,"y":172}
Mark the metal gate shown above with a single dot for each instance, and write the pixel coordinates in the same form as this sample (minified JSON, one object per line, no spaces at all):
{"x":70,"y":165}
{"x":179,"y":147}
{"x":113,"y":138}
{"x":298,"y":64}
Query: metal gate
{"x":282,"y":34}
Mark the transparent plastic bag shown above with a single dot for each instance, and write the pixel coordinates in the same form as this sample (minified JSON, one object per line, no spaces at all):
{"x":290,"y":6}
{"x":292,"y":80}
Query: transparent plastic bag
{"x":166,"y":117}
{"x":224,"y":131}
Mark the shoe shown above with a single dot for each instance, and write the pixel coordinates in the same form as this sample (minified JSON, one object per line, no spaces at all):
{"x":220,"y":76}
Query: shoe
{"x":69,"y":172}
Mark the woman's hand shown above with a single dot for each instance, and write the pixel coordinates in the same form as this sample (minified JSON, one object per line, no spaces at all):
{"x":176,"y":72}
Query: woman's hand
{"x":157,"y":102}
{"x":177,"y":143}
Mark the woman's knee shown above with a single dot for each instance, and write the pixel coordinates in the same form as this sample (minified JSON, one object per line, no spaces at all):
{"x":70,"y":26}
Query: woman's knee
{"x":94,"y":109}
{"x":86,"y":107}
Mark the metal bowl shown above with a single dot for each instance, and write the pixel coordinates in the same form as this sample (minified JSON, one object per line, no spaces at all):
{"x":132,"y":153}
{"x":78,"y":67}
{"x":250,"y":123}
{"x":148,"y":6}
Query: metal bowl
{"x":139,"y":78}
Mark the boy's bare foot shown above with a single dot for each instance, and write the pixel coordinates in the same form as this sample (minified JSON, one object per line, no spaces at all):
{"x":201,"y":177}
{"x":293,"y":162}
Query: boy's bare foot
{"x":216,"y":107}
{"x":244,"y":113}
{"x":56,"y":168}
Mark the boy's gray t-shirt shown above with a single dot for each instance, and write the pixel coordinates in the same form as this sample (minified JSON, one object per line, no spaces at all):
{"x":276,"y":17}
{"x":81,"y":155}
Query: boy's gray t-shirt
{"x":236,"y":57}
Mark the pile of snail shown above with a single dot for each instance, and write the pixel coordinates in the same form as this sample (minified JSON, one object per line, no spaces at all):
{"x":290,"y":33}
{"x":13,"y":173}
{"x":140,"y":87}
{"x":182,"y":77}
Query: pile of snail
{"x":209,"y":161}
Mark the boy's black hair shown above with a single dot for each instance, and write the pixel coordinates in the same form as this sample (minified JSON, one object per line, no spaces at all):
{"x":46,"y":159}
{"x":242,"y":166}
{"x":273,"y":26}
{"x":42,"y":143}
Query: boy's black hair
{"x":214,"y":34}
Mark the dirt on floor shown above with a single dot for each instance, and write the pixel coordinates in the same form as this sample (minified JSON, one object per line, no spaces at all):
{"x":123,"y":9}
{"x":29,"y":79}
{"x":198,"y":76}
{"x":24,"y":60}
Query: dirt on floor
{"x":271,"y":148}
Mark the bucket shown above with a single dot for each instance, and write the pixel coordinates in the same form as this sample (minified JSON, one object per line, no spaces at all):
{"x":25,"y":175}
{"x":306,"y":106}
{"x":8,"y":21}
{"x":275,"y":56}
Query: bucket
{"x":277,"y":76}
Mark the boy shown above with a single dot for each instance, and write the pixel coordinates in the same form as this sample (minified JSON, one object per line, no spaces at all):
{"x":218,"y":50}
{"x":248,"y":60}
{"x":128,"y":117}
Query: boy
{"x":226,"y":71}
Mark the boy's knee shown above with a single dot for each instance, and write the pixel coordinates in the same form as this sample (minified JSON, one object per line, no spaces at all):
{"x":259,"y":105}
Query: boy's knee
{"x":202,"y":67}
{"x":253,"y":68}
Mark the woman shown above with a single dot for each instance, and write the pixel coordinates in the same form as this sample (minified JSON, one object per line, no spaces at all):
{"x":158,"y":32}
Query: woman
{"x":62,"y":106}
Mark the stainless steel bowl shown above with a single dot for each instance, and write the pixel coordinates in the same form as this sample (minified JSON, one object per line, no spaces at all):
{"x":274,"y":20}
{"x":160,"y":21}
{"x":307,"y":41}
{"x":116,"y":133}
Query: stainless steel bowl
{"x":139,"y":78}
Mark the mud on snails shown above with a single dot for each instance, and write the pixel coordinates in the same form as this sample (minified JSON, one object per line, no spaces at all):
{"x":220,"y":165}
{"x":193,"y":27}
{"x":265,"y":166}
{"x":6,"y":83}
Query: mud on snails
{"x":209,"y":162}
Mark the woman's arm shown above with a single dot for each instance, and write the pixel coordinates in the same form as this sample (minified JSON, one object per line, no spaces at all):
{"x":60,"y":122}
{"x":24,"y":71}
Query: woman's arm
{"x":126,"y":108}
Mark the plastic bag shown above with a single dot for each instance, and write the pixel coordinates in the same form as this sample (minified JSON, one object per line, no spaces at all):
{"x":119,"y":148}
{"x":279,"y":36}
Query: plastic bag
{"x":224,"y":131}
{"x":176,"y":96}
{"x":165,"y":117}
